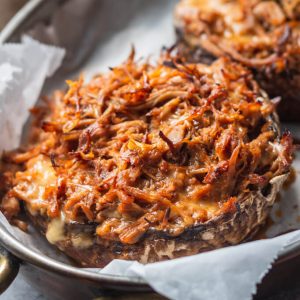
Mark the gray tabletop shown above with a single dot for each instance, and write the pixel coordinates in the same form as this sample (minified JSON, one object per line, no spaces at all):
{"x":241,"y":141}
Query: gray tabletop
{"x":21,"y":290}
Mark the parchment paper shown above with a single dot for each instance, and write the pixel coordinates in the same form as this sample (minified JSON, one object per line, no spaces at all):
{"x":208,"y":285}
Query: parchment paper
{"x":23,"y":70}
{"x":24,"y":67}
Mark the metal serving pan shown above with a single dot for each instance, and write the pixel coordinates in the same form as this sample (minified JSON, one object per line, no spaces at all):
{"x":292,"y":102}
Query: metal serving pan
{"x":95,"y":24}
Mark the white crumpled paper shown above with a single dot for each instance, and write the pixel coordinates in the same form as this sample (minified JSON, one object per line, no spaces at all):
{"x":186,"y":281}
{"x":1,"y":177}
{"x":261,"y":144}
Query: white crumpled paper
{"x":23,"y":69}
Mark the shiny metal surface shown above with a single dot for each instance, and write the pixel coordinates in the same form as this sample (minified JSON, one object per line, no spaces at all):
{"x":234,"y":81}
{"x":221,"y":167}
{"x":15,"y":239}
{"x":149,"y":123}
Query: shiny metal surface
{"x":17,"y":21}
{"x":9,"y":268}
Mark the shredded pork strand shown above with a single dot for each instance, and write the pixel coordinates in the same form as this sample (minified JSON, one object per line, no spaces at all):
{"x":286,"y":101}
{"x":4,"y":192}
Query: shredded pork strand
{"x":148,"y":147}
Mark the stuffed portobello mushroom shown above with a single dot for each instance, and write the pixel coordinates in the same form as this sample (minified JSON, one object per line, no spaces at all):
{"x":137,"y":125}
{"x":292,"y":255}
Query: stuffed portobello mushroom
{"x":262,"y":35}
{"x":150,"y":162}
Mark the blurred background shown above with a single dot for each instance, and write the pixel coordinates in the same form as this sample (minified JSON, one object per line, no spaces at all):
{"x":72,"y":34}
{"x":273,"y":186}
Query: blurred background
{"x":8,"y":8}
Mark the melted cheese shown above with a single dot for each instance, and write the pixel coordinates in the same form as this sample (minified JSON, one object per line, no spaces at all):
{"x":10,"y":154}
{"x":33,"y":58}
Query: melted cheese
{"x":56,"y":231}
{"x":82,"y":240}
{"x":34,"y":182}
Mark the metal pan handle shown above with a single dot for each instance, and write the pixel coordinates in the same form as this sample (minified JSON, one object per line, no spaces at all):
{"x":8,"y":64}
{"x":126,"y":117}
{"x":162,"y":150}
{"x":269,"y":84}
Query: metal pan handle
{"x":9,"y":268}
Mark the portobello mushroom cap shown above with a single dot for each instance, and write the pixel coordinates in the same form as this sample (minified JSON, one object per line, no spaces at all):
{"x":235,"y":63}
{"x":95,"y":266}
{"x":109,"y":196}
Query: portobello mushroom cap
{"x":262,"y":35}
{"x":225,"y":230}
{"x":150,"y":162}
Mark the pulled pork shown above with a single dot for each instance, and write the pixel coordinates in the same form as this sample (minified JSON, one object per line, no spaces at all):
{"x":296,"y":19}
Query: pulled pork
{"x":149,"y":147}
{"x":263,"y":35}
{"x":255,"y":33}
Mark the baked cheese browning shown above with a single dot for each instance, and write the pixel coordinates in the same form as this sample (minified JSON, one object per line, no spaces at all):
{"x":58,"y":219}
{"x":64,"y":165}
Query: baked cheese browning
{"x":263,"y":35}
{"x":148,"y":147}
